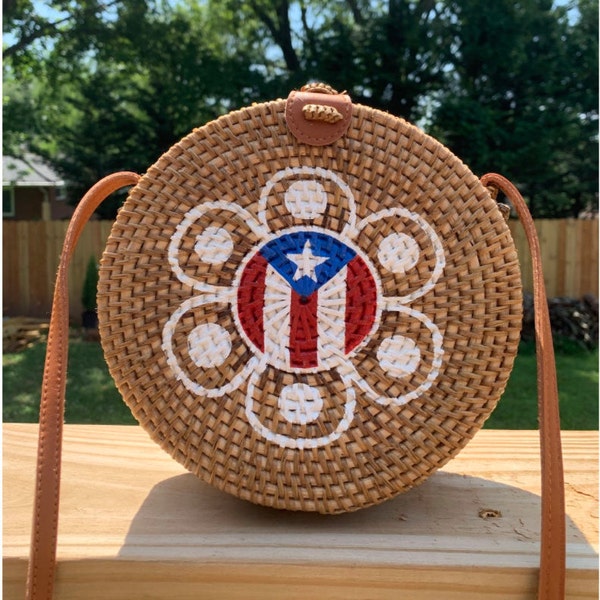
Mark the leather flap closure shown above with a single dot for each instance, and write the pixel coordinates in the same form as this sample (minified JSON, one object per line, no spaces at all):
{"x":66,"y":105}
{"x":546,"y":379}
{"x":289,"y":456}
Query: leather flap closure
{"x":316,"y":118}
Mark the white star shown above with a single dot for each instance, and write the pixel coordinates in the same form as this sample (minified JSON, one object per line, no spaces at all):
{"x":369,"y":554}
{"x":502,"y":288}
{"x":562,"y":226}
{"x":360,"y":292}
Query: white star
{"x":307,"y":262}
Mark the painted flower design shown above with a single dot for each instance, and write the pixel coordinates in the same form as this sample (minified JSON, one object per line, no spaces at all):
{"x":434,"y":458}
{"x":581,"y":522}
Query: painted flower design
{"x":304,"y":306}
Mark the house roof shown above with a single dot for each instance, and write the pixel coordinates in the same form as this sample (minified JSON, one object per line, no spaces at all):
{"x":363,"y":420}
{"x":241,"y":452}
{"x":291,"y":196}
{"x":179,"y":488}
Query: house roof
{"x":28,"y":171}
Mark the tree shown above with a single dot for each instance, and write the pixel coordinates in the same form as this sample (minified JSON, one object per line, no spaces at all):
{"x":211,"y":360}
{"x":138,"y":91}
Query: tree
{"x":387,"y":56}
{"x":123,"y":87}
{"x":100,"y":85}
{"x":522,"y":101}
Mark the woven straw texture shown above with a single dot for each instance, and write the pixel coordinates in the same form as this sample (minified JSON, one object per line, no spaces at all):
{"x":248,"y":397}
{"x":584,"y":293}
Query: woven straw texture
{"x":310,"y":328}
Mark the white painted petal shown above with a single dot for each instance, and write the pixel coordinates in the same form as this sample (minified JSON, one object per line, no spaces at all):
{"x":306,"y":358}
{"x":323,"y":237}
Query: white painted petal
{"x":398,"y":253}
{"x":399,"y":356}
{"x":300,"y":403}
{"x":209,"y":345}
{"x":306,"y":199}
{"x":214,"y":245}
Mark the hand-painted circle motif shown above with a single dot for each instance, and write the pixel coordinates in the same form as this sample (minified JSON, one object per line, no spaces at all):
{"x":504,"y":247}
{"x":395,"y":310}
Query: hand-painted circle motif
{"x":305,"y":300}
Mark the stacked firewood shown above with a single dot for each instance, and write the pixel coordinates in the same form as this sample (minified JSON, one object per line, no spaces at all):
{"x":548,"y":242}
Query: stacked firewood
{"x":19,"y":333}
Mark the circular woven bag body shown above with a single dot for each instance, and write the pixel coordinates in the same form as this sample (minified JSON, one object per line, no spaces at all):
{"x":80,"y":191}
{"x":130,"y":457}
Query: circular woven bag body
{"x":310,"y":328}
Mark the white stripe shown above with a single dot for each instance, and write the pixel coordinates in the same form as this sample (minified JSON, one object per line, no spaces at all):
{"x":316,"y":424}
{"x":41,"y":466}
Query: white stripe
{"x":276,"y":318}
{"x":331,"y":317}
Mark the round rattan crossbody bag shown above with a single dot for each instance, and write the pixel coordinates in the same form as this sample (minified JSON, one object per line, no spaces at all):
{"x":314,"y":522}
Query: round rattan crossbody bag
{"x":310,"y":327}
{"x":310,"y":304}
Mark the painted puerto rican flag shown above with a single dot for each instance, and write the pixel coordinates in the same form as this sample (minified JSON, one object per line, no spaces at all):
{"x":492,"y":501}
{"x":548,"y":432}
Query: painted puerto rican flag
{"x":304,"y":297}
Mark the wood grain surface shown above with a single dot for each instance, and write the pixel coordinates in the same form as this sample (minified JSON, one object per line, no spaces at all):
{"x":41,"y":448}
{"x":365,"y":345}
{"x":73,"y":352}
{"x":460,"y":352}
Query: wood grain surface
{"x":135,"y":524}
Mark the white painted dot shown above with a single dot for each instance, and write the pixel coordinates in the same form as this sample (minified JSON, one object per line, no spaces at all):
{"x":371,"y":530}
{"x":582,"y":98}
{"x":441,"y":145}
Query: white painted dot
{"x":398,"y":356}
{"x":214,"y":245}
{"x":306,"y":199}
{"x":300,"y":403}
{"x":398,"y":252}
{"x":209,"y":345}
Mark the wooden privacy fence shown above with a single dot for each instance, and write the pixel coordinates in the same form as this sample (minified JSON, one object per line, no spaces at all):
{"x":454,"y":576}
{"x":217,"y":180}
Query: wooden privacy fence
{"x":31,"y":250}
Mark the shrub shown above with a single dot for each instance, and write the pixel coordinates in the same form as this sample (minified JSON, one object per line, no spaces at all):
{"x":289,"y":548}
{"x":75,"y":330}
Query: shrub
{"x":90,"y":286}
{"x":575,"y":319}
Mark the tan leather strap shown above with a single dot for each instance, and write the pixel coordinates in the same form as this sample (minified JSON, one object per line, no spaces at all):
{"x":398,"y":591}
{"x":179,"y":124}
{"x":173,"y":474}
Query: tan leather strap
{"x":40,"y":577}
{"x":552,"y":561}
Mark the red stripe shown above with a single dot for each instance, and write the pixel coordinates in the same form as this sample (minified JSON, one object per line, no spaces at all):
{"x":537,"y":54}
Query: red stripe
{"x":303,"y":330}
{"x":251,"y":300}
{"x":361,"y":303}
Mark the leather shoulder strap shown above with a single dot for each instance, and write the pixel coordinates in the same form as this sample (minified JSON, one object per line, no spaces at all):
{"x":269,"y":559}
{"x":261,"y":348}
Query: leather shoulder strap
{"x":553,"y":542}
{"x":40,"y":576}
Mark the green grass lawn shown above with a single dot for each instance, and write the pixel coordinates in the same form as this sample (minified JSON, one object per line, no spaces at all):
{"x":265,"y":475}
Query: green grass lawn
{"x":91,"y":393}
{"x":93,"y":398}
{"x":577,"y":371}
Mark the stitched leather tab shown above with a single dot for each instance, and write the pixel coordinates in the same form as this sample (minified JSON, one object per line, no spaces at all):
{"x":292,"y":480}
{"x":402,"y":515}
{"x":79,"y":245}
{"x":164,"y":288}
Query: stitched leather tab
{"x":317,"y":133}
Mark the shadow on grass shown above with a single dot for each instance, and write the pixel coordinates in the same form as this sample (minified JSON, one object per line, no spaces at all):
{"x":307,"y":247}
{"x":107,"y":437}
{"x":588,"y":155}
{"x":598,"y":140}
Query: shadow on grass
{"x":91,"y":393}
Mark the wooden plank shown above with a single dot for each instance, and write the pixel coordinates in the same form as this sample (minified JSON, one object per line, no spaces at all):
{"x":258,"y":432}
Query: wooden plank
{"x":24,"y":268}
{"x":135,"y":524}
{"x":588,"y":260}
{"x":218,"y":581}
{"x":560,"y":266}
{"x":548,"y":236}
{"x":523,"y":253}
{"x":54,"y":240}
{"x":580,"y":252}
{"x":572,"y":258}
{"x":38,"y":276}
{"x":10,"y":267}
{"x":592,"y":258}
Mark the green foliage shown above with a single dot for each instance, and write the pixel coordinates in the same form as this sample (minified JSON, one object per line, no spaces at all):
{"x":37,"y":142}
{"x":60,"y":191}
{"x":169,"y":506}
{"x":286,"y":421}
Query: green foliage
{"x":90,"y":286}
{"x":523,"y":101}
{"x":98,"y":86}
